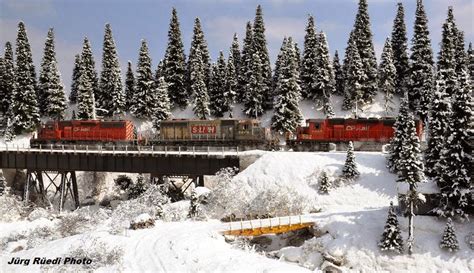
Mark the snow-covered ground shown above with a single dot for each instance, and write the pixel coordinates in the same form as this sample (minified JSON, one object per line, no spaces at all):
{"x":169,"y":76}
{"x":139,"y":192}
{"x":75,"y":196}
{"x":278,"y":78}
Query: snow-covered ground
{"x":353,"y":213}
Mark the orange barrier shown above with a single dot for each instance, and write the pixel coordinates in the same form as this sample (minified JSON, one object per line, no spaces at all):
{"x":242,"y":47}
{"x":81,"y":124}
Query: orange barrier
{"x":257,"y":231}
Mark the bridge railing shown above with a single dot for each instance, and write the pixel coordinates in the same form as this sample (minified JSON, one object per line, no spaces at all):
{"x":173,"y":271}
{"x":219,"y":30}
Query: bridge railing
{"x":257,"y":227}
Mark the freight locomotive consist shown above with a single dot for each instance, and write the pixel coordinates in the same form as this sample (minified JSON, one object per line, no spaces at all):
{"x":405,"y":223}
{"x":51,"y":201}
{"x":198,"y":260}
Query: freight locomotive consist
{"x":318,"y":134}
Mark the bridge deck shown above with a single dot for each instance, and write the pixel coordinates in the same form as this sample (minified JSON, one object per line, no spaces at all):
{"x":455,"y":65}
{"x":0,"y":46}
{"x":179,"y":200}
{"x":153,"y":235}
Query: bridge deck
{"x":267,"y":226}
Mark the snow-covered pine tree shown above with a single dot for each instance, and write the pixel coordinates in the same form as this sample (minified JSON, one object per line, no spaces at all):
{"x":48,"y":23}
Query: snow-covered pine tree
{"x":400,"y":52}
{"x":245,"y":64}
{"x":198,"y":86}
{"x":298,"y":59}
{"x":3,"y":116}
{"x":75,"y":79}
{"x":363,"y":40}
{"x":449,"y":240}
{"x":217,"y":87}
{"x":338,"y":75}
{"x":353,"y":79}
{"x":3,"y":184}
{"x":454,"y":169}
{"x":276,"y":70}
{"x":129,"y":86}
{"x":446,"y":85}
{"x":350,"y":171}
{"x":163,"y":107}
{"x":174,"y":69}
{"x":24,"y":110}
{"x":49,"y":55}
{"x":387,"y":76}
{"x":138,"y":188}
{"x":194,"y":207}
{"x":287,"y":115}
{"x":422,"y":70}
{"x":470,"y":55}
{"x":144,"y":101}
{"x":259,"y":46}
{"x":397,"y":141}
{"x":199,"y":43}
{"x":410,"y":170}
{"x":254,"y":89}
{"x":110,"y":97}
{"x":159,"y":72}
{"x":8,"y":81}
{"x":391,"y":238}
{"x":231,"y":84}
{"x":237,"y":59}
{"x":324,"y":183}
{"x":309,"y":61}
{"x":86,"y":105}
{"x":324,"y":81}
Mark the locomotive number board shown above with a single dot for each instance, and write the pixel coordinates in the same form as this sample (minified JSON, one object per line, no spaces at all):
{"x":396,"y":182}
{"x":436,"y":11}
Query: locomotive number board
{"x":203,"y":129}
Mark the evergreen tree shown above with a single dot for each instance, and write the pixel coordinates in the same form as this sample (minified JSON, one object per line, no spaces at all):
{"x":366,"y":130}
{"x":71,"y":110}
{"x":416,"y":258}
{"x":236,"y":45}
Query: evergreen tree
{"x":138,"y":188}
{"x":3,"y":184}
{"x":422,"y":71}
{"x":129,"y":86}
{"x":199,"y":43}
{"x":387,"y":76}
{"x":174,"y":68}
{"x":159,"y":72}
{"x":309,"y":62}
{"x":363,"y":39}
{"x":287,"y":114}
{"x":110,"y":96}
{"x":163,"y":106}
{"x":3,"y":116}
{"x":24,"y":110}
{"x":231,"y":84}
{"x":198,"y":86}
{"x":449,"y":240}
{"x":259,"y":47}
{"x":7,"y":80}
{"x":391,"y":238}
{"x":276,"y":70}
{"x":470,"y":55}
{"x":75,"y":79}
{"x":245,"y":64}
{"x":397,"y":141}
{"x":254,"y":89}
{"x":217,"y":87}
{"x":49,"y":56}
{"x":446,"y":85}
{"x":324,"y":81}
{"x":353,"y":79}
{"x":324,"y":183}
{"x":87,"y":80}
{"x":144,"y":100}
{"x":349,"y":171}
{"x":298,"y":60}
{"x":338,"y":75}
{"x":400,"y":51}
{"x":194,"y":208}
{"x":454,"y":171}
{"x":237,"y":61}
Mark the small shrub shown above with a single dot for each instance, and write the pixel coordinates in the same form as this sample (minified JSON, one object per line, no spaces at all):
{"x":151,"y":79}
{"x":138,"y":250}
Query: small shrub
{"x":142,"y":221}
{"x":123,"y":182}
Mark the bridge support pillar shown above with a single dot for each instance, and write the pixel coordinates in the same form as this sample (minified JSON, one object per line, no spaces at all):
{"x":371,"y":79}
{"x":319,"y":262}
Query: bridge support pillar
{"x":64,"y":189}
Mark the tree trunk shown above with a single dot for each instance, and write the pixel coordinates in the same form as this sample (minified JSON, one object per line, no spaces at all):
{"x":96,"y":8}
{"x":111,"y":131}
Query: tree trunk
{"x":411,"y":214}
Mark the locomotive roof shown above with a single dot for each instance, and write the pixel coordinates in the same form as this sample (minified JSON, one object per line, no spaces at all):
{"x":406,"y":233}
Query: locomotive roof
{"x":344,"y":119}
{"x":205,"y":120}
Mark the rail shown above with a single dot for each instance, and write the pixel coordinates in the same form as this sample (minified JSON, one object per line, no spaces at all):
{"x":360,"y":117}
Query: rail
{"x":126,"y":150}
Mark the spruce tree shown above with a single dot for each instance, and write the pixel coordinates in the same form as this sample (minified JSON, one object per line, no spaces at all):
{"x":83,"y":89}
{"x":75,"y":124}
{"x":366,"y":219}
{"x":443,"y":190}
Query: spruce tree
{"x":254,"y":103}
{"x":110,"y":97}
{"x":287,"y":115}
{"x":159,"y":72}
{"x":217,"y":87}
{"x":338,"y":75}
{"x":298,"y":60}
{"x":449,"y":240}
{"x":198,"y":86}
{"x":349,"y":171}
{"x":397,"y":141}
{"x":129,"y":86}
{"x":276,"y":70}
{"x":24,"y":110}
{"x":3,"y":116}
{"x":363,"y":40}
{"x":8,"y":81}
{"x":259,"y":47}
{"x":163,"y":106}
{"x":309,"y":61}
{"x":144,"y":100}
{"x":422,"y":70}
{"x":194,"y":207}
{"x":231,"y":84}
{"x":75,"y":79}
{"x":237,"y":61}
{"x":446,"y":85}
{"x":174,"y":66}
{"x":86,"y":91}
{"x":391,"y":238}
{"x":324,"y":82}
{"x":245,"y":65}
{"x":353,"y":79}
{"x":387,"y":76}
{"x":400,"y":51}
{"x":470,"y":55}
{"x":324,"y":183}
{"x":49,"y":56}
{"x":199,"y":43}
{"x":3,"y":184}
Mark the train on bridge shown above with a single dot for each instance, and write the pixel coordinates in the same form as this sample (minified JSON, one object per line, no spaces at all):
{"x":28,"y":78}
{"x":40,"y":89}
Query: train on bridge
{"x":368,"y":134}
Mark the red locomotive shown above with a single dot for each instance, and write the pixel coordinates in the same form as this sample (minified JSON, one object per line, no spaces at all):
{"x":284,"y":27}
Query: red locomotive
{"x":366,"y":133}
{"x":85,"y":132}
